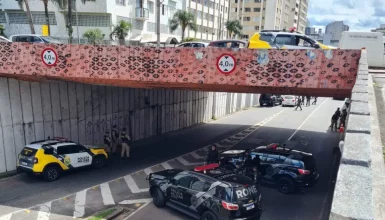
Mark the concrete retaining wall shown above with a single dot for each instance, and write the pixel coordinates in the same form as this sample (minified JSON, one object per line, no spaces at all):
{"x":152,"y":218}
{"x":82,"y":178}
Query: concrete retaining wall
{"x":33,"y":111}
{"x":359,"y":192}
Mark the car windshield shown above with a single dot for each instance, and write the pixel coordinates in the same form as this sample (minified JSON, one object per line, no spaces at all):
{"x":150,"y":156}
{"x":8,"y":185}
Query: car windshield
{"x":48,"y":39}
{"x":289,"y":97}
{"x":29,"y":152}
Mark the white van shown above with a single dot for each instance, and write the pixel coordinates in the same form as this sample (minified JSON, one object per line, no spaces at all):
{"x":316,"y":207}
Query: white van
{"x":372,"y":41}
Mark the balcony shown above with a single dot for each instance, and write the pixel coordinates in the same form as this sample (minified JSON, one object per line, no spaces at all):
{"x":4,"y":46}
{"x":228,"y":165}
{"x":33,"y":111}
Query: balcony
{"x":141,"y":13}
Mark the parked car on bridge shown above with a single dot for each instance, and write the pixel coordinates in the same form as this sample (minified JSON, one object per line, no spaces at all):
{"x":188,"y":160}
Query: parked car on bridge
{"x":288,"y":100}
{"x":218,"y":194}
{"x":287,"y":168}
{"x":49,"y":158}
{"x":193,"y":44}
{"x":34,"y":38}
{"x":268,"y":39}
{"x":228,"y":43}
{"x":3,"y":39}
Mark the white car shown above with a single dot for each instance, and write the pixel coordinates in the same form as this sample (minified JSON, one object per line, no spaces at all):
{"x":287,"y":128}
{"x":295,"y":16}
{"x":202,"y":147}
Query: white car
{"x":34,"y":38}
{"x":3,"y":39}
{"x":288,"y":100}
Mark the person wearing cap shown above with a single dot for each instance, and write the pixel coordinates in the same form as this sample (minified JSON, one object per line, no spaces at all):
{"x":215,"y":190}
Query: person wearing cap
{"x":125,"y":140}
{"x":114,"y":139}
{"x":107,"y":142}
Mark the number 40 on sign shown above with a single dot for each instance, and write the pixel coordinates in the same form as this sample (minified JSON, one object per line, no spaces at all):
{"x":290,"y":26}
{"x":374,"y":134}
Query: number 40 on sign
{"x":226,"y":63}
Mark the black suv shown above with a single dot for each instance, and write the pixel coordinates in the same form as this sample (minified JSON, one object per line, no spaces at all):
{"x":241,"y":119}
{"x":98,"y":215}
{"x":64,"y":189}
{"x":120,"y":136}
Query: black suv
{"x":269,"y":99}
{"x":218,"y":194}
{"x":289,"y":169}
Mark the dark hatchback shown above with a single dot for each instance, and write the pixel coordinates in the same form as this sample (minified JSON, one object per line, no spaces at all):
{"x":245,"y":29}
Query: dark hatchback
{"x":219,"y":194}
{"x":269,"y":99}
{"x":286,"y":168}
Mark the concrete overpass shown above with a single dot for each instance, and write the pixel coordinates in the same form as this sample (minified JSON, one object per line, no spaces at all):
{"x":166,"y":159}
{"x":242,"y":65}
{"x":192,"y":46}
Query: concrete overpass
{"x":305,"y":72}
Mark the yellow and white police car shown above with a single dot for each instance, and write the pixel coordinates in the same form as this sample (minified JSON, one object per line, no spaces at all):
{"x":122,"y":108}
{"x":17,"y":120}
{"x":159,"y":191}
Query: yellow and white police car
{"x":49,"y":158}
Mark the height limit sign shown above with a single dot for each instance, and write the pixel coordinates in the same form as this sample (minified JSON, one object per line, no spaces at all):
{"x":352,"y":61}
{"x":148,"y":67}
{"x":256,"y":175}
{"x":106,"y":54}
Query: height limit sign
{"x":226,"y":63}
{"x":49,"y":57}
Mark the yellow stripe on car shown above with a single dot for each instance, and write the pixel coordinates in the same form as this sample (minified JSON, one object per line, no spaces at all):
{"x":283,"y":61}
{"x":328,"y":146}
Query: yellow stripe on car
{"x":256,"y":43}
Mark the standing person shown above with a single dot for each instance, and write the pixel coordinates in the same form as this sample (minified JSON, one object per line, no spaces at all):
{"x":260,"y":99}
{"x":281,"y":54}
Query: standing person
{"x":338,"y":112}
{"x":344,"y":114}
{"x":114,"y":138}
{"x":125,"y":140}
{"x":107,"y":142}
{"x":299,"y":101}
{"x":315,"y":101}
{"x":334,"y":121}
{"x":303,"y":100}
{"x":212,"y":155}
{"x":307,"y":101}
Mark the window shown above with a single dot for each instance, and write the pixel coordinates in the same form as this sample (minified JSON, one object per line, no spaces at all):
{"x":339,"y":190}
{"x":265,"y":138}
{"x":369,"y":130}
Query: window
{"x":68,"y":149}
{"x":247,"y":9}
{"x":284,"y":40}
{"x":257,"y":1}
{"x":199,"y":184}
{"x":257,"y":9}
{"x":256,"y":28}
{"x":151,"y":7}
{"x":245,"y":37}
{"x":236,"y":1}
{"x":246,"y":18}
{"x":221,"y":8}
{"x":304,"y":41}
{"x":255,"y":19}
{"x":183,"y":181}
{"x":224,"y":193}
{"x":163,"y":9}
{"x":266,"y":37}
{"x":226,"y":10}
{"x":120,"y":2}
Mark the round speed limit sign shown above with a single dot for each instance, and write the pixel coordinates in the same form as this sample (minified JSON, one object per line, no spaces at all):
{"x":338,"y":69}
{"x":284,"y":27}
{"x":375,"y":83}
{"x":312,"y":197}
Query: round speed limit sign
{"x":226,"y":63}
{"x":49,"y":57}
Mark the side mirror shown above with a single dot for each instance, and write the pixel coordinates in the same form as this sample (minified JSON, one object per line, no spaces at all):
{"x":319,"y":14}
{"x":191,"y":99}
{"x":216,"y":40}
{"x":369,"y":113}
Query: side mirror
{"x":317,"y":46}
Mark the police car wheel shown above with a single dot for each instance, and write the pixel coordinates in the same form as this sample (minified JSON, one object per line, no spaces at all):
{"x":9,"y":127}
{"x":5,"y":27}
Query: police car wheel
{"x":209,"y":215}
{"x":51,"y":173}
{"x":99,"y":162}
{"x":285,"y":185}
{"x":158,"y":197}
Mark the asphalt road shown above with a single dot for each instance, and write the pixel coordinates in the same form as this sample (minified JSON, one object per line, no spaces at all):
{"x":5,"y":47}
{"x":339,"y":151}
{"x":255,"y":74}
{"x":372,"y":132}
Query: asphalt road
{"x":306,"y":130}
{"x":23,"y":192}
{"x":82,"y":193}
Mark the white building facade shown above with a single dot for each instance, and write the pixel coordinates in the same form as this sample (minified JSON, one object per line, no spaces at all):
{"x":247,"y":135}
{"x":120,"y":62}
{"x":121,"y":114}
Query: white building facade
{"x":101,"y":14}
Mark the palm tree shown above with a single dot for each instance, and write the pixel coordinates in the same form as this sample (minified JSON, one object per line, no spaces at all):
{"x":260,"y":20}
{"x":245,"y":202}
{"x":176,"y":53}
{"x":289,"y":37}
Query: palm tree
{"x":94,"y":36}
{"x":45,"y":2}
{"x":183,"y":19}
{"x":121,"y":31}
{"x":234,"y":28}
{"x":29,"y":15}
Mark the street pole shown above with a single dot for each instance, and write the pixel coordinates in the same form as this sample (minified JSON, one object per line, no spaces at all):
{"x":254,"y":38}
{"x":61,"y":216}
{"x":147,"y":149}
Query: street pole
{"x":158,"y":23}
{"x":77,"y":21}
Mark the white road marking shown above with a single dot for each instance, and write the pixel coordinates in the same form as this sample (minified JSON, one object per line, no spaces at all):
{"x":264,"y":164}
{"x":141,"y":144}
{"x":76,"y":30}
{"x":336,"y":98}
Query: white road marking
{"x":185,"y":163}
{"x":106,"y":194}
{"x":128,"y":202}
{"x":133,"y":213}
{"x":132,"y":185}
{"x":6,"y":217}
{"x":147,"y":171}
{"x":80,"y":202}
{"x":196,"y":156}
{"x":306,"y":120}
{"x":166,"y":166}
{"x":45,"y":211}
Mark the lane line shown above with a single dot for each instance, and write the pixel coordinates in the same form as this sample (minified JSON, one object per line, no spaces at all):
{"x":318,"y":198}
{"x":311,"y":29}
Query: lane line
{"x":131,"y":184}
{"x":133,"y":213}
{"x":129,"y":202}
{"x":106,"y":194}
{"x":185,"y":163}
{"x":306,"y":120}
{"x":6,"y":217}
{"x":166,"y":166}
{"x":196,"y":156}
{"x":80,"y":202}
{"x":45,"y":211}
{"x":147,"y":171}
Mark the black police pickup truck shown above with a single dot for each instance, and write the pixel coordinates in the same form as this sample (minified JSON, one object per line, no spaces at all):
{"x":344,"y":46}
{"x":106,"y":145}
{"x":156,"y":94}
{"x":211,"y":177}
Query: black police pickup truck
{"x":216,"y":194}
{"x":287,"y":168}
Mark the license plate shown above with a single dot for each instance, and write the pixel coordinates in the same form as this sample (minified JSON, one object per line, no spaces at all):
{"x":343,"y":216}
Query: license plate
{"x":250,"y":207}
{"x":24,"y":163}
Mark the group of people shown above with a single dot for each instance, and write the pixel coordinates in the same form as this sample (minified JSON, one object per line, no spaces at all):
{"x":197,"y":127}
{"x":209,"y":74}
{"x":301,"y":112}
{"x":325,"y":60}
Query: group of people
{"x":338,"y":115}
{"x":112,"y":141}
{"x":301,"y":101}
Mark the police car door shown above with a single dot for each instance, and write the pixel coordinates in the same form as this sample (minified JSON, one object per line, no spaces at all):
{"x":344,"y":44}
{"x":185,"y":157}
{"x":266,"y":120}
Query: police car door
{"x":84,"y":156}
{"x":178,"y":190}
{"x":198,"y":192}
{"x":70,"y":154}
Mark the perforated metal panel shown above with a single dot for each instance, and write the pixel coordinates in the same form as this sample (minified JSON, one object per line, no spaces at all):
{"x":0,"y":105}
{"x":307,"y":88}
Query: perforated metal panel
{"x":39,"y":18}
{"x":17,"y":18}
{"x":92,"y":20}
{"x":2,"y":17}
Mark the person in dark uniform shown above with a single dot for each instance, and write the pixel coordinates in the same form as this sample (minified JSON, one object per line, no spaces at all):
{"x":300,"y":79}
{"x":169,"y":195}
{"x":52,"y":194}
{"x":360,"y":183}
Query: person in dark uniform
{"x":307,"y":101}
{"x":125,"y":140}
{"x":344,"y":114}
{"x":114,"y":138}
{"x":334,"y":121}
{"x":212,"y":155}
{"x":303,"y":100}
{"x":338,"y":112}
{"x":248,"y":161}
{"x":107,"y":142}
{"x":299,"y":101}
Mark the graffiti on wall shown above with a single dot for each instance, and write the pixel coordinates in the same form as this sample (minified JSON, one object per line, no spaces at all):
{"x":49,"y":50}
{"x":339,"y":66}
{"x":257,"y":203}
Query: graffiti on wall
{"x":334,"y":69}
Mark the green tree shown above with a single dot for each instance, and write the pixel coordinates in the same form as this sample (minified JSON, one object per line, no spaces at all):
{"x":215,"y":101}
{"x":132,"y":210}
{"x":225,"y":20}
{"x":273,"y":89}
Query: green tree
{"x":234,"y":28}
{"x":121,"y":31}
{"x":190,"y":39}
{"x":94,"y":36}
{"x":2,"y":29}
{"x":183,"y":19}
{"x":28,"y":12}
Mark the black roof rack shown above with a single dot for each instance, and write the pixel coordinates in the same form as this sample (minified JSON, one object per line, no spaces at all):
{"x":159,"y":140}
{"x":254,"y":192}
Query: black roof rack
{"x":58,"y":142}
{"x":288,"y":31}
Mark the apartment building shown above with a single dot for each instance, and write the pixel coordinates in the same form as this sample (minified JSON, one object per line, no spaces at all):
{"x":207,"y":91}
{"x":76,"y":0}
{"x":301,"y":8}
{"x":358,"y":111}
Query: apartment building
{"x":101,"y":14}
{"x":256,"y":15}
{"x":211,"y":16}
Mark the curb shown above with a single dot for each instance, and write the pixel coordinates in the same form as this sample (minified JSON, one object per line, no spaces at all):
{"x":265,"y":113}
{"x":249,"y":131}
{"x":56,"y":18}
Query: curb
{"x":110,"y":216}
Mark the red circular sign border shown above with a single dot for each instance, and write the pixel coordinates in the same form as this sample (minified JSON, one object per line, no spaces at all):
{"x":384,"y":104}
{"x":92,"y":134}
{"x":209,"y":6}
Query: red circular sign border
{"x":42,"y":57}
{"x":235,"y":63}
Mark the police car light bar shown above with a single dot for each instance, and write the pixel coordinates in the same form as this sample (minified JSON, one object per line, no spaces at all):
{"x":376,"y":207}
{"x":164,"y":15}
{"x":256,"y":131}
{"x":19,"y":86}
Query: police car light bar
{"x":206,"y":167}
